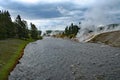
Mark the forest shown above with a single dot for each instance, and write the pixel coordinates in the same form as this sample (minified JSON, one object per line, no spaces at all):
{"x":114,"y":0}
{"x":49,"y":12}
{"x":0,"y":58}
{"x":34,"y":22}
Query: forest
{"x":16,"y":29}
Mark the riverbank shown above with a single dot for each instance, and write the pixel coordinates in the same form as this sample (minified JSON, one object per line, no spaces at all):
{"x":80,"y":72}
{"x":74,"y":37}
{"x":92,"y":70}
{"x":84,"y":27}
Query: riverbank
{"x":110,"y":38}
{"x":11,"y":50}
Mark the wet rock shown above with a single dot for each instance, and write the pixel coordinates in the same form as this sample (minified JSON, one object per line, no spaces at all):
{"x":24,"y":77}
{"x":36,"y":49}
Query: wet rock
{"x":99,"y":77}
{"x":100,"y":65}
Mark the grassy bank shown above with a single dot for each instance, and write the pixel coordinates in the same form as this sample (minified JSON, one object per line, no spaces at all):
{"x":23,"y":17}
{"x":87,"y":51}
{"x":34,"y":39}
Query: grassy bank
{"x":10,"y":52}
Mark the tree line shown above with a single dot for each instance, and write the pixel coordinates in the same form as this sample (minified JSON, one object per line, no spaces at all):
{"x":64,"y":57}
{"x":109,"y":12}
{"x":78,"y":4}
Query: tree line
{"x":71,"y":31}
{"x":16,"y":29}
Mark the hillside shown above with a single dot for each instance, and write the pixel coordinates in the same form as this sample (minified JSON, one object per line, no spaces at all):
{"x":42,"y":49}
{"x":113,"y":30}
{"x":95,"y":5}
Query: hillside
{"x":109,"y":38}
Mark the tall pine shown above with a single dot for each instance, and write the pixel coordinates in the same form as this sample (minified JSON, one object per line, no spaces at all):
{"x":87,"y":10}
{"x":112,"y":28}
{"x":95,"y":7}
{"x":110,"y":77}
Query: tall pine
{"x":34,"y":31}
{"x":6,"y":25}
{"x":22,"y":29}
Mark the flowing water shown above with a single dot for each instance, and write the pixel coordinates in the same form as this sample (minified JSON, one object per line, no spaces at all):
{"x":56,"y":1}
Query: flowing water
{"x":57,"y":59}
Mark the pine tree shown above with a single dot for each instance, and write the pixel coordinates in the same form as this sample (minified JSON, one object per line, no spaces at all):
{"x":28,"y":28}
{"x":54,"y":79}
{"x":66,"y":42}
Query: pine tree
{"x":6,"y":25}
{"x":22,"y":29}
{"x":66,"y":31}
{"x":34,"y":31}
{"x":17,"y":29}
{"x":9,"y":25}
{"x":71,"y":31}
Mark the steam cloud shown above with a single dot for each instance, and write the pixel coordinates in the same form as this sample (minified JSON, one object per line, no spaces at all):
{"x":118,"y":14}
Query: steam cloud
{"x":99,"y":15}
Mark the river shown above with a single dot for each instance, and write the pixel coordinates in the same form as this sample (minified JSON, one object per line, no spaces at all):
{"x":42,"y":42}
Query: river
{"x":58,"y":59}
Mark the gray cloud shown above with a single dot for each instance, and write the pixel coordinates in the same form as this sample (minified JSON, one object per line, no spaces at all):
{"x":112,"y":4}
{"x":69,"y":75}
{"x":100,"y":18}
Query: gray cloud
{"x":55,"y":14}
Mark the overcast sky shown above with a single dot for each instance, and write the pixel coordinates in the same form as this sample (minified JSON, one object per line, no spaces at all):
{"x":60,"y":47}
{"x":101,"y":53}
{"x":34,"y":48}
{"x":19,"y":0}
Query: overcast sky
{"x":57,"y":14}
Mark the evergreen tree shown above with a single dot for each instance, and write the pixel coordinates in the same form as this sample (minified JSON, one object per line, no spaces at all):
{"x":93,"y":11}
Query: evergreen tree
{"x":3,"y":32}
{"x":34,"y":31}
{"x":22,"y":29}
{"x":66,"y":31}
{"x":39,"y":32}
{"x":6,"y":25}
{"x":17,"y":29}
{"x":71,"y":31}
{"x":9,"y":25}
{"x":25,"y":31}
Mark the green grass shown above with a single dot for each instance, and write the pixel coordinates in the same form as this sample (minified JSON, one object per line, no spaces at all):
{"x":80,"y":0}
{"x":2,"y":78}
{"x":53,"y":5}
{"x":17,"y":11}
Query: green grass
{"x":10,"y":52}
